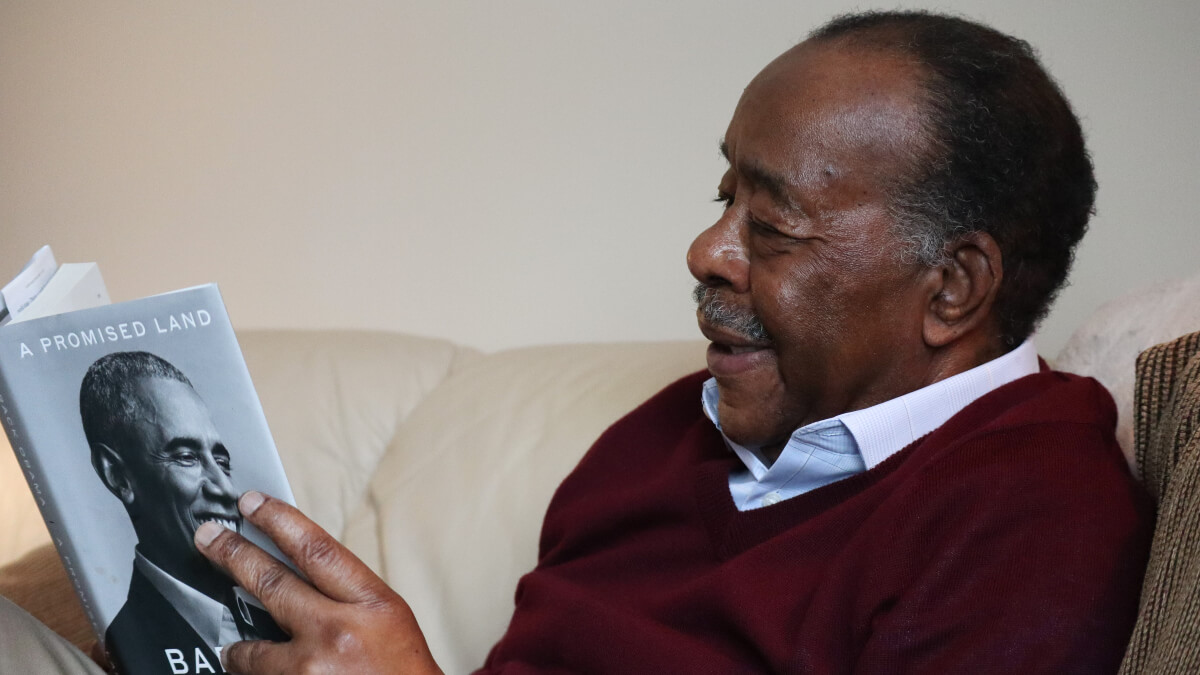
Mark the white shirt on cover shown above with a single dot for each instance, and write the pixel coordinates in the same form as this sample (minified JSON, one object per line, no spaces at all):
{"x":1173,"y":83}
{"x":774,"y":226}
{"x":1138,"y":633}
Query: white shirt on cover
{"x":827,"y":451}
{"x":211,"y":620}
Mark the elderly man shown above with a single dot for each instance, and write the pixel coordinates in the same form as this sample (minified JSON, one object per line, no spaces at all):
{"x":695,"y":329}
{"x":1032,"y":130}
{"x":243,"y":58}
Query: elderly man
{"x":879,"y":477}
{"x":887,"y":480}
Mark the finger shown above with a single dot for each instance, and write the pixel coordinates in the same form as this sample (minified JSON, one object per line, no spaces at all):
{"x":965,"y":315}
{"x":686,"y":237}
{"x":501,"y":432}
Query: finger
{"x":254,"y":656}
{"x":329,"y":566}
{"x":286,"y":596}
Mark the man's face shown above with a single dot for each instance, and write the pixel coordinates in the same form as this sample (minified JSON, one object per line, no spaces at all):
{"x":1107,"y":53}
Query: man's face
{"x":809,"y":307}
{"x":179,"y":474}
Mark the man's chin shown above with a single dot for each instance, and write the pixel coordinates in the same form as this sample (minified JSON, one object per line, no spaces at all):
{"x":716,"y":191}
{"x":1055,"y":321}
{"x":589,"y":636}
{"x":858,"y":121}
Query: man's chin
{"x":750,"y":431}
{"x":752,"y":401}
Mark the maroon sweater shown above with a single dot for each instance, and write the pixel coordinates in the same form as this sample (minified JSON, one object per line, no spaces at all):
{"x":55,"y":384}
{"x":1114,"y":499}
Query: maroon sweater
{"x":1010,"y":540}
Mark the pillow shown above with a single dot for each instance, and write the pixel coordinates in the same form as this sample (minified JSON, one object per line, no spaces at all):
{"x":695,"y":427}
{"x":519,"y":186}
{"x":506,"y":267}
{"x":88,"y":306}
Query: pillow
{"x":1166,"y":638}
{"x":1106,"y":345}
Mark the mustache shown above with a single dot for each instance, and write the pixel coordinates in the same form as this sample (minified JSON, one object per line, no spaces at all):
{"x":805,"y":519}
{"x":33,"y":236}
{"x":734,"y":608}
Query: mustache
{"x":717,"y":311}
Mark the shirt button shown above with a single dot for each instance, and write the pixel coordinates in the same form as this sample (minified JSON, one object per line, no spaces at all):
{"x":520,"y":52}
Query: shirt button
{"x":771,"y":498}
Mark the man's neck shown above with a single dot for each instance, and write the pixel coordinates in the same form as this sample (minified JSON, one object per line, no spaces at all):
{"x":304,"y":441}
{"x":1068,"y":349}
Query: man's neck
{"x":967,"y":353}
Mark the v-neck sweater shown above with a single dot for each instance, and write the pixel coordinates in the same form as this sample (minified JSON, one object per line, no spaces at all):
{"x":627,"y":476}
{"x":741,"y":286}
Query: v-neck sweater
{"x":1009,"y":540}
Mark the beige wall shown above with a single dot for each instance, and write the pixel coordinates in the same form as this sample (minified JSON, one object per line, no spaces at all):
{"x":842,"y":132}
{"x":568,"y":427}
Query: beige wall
{"x":499,"y":173}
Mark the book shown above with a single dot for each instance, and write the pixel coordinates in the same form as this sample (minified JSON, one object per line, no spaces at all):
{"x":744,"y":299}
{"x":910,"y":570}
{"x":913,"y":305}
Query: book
{"x":134,"y":423}
{"x":73,"y":286}
{"x":43,"y":287}
{"x":17,"y":294}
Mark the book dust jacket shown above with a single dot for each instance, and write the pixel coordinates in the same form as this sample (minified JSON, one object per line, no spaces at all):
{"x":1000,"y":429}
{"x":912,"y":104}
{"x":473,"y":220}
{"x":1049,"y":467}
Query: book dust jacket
{"x":134,"y":423}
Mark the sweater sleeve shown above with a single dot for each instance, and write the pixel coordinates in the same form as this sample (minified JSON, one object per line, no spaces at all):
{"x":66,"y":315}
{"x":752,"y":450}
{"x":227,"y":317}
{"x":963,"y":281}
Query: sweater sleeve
{"x":1026,"y":558}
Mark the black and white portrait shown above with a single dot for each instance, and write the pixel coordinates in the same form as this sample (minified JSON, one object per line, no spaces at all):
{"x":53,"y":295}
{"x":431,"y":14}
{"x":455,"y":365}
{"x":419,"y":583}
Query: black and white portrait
{"x":154,"y":445}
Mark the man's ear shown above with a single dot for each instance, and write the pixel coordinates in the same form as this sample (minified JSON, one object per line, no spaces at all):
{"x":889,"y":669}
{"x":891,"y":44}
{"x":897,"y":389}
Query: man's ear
{"x":110,"y":466}
{"x":966,"y":289}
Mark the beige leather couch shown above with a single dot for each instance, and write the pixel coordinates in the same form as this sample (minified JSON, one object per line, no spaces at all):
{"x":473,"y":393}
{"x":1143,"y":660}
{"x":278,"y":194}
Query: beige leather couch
{"x":435,"y":463}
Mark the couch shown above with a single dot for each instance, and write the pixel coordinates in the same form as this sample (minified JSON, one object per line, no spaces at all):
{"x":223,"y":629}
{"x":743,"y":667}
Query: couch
{"x":435,"y":462}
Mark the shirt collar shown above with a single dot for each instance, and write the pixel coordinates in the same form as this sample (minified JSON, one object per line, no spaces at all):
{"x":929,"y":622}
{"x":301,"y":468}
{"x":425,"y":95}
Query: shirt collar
{"x":206,"y":616}
{"x":886,"y":428}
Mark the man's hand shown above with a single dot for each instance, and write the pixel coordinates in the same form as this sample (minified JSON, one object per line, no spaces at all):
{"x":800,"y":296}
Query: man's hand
{"x":344,"y":619}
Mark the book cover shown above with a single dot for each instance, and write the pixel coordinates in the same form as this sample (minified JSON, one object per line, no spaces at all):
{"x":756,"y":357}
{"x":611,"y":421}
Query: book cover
{"x":134,"y":423}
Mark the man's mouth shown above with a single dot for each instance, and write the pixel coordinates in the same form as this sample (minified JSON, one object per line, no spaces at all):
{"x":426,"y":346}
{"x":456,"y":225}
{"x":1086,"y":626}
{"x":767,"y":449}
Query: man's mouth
{"x":732,"y":353}
{"x":738,"y":350}
{"x":740,"y":342}
{"x":226,"y":522}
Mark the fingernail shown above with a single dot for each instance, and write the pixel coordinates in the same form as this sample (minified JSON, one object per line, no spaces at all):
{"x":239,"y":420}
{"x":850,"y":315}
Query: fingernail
{"x":250,"y":502}
{"x":206,"y":533}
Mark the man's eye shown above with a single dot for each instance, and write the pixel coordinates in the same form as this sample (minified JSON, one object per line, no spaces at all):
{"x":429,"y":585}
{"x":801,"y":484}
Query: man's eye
{"x":760,"y":227}
{"x":185,"y":457}
{"x":724,"y":198}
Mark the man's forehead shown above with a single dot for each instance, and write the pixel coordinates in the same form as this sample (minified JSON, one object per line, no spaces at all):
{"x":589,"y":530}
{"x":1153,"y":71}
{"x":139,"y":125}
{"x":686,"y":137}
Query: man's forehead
{"x":163,"y":400}
{"x":161,"y":388}
{"x":834,"y":102}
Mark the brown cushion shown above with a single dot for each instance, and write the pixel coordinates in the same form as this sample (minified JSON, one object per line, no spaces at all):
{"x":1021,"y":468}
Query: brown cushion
{"x":1166,"y":638}
{"x":38,"y":583}
{"x":1166,"y":405}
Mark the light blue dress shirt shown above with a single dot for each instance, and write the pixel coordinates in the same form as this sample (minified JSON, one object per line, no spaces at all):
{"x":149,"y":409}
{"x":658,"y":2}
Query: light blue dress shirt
{"x":839,"y":447}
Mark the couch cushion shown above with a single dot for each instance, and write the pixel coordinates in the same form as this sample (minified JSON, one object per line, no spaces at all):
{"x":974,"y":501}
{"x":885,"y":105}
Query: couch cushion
{"x":333,"y":401}
{"x":1107,"y":344}
{"x":458,"y":500}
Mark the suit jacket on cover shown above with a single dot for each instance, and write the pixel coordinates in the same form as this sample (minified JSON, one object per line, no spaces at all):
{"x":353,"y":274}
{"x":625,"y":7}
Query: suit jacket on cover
{"x":149,"y":636}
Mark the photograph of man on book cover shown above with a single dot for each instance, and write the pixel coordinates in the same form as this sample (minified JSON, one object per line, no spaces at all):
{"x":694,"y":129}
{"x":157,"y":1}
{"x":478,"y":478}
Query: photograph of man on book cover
{"x":155,"y":447}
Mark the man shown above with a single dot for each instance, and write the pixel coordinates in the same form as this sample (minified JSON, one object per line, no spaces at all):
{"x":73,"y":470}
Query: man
{"x":881,"y":478}
{"x":154,"y":445}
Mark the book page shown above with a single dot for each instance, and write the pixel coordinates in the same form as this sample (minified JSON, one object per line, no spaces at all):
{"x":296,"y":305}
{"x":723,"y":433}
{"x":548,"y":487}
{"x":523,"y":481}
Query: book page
{"x":21,"y":291}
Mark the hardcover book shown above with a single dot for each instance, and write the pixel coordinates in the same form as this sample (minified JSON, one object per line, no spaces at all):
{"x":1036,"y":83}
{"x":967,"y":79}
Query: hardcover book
{"x":134,"y":423}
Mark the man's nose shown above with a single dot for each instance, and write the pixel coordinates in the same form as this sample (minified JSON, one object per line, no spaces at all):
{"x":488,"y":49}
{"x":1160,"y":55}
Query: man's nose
{"x":718,"y":256}
{"x":217,"y":483}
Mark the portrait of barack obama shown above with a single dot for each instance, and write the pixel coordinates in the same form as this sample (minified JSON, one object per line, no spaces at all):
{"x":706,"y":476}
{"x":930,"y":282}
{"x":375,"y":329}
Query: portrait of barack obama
{"x":154,"y":445}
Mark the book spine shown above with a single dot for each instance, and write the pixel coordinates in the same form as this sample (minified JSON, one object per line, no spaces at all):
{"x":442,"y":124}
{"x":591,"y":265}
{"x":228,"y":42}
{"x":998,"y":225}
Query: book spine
{"x":34,"y":470}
